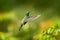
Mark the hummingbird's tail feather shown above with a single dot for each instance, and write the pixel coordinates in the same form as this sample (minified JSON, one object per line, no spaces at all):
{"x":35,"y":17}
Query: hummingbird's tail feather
{"x":20,"y":27}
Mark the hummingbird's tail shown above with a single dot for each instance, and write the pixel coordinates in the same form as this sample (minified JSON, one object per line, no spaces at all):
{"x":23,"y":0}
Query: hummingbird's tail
{"x":22,"y":25}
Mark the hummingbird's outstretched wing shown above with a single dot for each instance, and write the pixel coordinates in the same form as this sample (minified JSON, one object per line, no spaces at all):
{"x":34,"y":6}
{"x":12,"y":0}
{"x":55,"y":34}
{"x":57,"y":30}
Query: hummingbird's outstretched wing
{"x":32,"y":18}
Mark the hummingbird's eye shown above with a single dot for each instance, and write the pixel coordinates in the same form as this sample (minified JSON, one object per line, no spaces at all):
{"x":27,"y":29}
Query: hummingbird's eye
{"x":27,"y":14}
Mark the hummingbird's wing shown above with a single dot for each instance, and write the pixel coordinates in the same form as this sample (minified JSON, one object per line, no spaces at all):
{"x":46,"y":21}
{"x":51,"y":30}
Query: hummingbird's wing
{"x":31,"y":18}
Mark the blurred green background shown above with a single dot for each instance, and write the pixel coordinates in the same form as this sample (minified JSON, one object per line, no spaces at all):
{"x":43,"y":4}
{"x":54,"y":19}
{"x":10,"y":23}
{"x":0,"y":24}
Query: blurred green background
{"x":46,"y":27}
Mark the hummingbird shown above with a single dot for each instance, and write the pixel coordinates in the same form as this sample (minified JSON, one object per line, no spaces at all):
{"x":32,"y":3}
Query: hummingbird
{"x":27,"y":19}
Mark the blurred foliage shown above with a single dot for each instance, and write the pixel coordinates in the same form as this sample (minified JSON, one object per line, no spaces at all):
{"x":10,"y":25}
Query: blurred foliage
{"x":49,"y":30}
{"x":4,"y":24}
{"x":47,"y":27}
{"x":6,"y":5}
{"x":52,"y":33}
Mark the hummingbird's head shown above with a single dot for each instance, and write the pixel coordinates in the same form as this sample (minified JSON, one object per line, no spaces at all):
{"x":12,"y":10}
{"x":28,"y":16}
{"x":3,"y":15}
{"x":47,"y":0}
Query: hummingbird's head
{"x":27,"y":14}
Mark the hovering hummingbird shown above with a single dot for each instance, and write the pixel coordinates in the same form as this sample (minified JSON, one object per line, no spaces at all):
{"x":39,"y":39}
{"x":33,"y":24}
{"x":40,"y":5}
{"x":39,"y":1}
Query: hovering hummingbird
{"x":28,"y":18}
